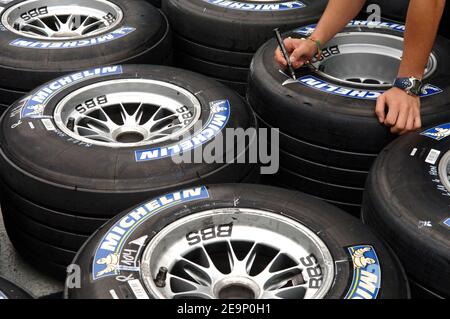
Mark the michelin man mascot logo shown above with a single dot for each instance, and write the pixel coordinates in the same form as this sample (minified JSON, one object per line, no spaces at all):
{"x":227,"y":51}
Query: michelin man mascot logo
{"x":35,"y":110}
{"x":360,"y":261}
{"x":111,"y":262}
{"x":366,"y":281}
{"x":218,"y":107}
{"x":440,"y":133}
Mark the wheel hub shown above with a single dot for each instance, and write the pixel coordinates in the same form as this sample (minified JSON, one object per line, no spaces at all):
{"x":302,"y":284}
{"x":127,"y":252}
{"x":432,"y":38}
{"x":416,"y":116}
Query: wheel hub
{"x":237,"y":254}
{"x":127,"y":112}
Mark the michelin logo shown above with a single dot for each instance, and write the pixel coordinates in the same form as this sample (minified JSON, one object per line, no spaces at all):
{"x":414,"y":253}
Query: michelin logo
{"x":114,"y":35}
{"x":220,"y":114}
{"x":315,"y":83}
{"x":438,"y":133}
{"x":235,"y":5}
{"x":366,"y":273}
{"x":309,"y":29}
{"x":35,"y":106}
{"x":447,"y":222}
{"x":107,"y":256}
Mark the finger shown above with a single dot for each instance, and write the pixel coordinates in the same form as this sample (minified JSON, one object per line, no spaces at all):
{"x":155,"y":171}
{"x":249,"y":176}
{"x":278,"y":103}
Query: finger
{"x":380,"y":109}
{"x":417,"y":121}
{"x":402,"y":118}
{"x":409,"y":123}
{"x":392,"y":116}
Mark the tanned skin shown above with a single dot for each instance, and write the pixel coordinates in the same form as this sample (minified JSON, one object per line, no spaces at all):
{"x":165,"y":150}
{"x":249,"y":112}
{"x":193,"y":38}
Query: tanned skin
{"x":395,"y":108}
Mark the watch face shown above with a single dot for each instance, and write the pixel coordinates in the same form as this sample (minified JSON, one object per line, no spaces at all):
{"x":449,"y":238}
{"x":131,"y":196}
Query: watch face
{"x":416,"y":85}
{"x":410,"y":85}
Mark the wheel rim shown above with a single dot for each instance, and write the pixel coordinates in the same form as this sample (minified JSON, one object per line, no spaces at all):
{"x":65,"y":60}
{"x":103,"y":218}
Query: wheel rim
{"x":365,"y":59}
{"x":260,"y":260}
{"x":444,"y":171}
{"x":62,"y":19}
{"x":127,"y":113}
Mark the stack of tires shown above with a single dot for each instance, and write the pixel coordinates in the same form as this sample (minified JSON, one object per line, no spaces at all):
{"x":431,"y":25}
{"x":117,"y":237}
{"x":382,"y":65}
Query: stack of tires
{"x":406,"y":203}
{"x":236,"y":242}
{"x":219,"y":38}
{"x":107,"y":139}
{"x":329,"y":134}
{"x":42,"y":40}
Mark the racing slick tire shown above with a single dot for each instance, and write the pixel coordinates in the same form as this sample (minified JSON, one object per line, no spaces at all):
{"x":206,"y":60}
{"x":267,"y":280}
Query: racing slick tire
{"x":221,"y":238}
{"x":44,"y":39}
{"x":326,"y":116}
{"x":406,"y":203}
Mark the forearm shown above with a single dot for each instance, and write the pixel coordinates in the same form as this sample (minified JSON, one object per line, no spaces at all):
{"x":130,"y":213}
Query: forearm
{"x":336,"y":16}
{"x":422,"y":25}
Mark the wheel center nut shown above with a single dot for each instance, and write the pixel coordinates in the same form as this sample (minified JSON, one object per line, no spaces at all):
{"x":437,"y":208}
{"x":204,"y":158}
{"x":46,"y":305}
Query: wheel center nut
{"x":237,"y":288}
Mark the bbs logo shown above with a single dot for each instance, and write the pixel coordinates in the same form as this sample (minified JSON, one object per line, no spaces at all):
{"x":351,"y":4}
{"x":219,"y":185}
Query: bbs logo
{"x":26,"y":16}
{"x":209,"y":233}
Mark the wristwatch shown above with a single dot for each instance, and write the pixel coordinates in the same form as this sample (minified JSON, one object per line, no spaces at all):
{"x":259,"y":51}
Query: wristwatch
{"x":410,"y":85}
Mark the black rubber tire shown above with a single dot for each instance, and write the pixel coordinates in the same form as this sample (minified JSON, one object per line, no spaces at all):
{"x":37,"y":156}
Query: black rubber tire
{"x":3,"y":108}
{"x":23,"y":68}
{"x":202,"y":52}
{"x":352,"y":209}
{"x":406,"y":204}
{"x":8,"y":97}
{"x":324,"y":173}
{"x":30,"y":169}
{"x":156,"y":3}
{"x":216,"y":26}
{"x":420,"y":292}
{"x":339,"y":231}
{"x":239,"y":87}
{"x":322,"y":154}
{"x":41,"y":232}
{"x":8,"y":290}
{"x":61,"y":220}
{"x":44,"y":252}
{"x":318,"y":188}
{"x":219,"y":71}
{"x":41,"y":264}
{"x":335,"y":121}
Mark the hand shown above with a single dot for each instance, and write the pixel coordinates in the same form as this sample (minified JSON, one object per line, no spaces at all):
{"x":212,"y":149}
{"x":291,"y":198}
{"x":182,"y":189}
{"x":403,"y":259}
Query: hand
{"x":300,"y":52}
{"x":403,"y":114}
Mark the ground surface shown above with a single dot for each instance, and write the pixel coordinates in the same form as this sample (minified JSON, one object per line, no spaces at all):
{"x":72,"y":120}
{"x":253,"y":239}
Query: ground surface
{"x":15,"y":269}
